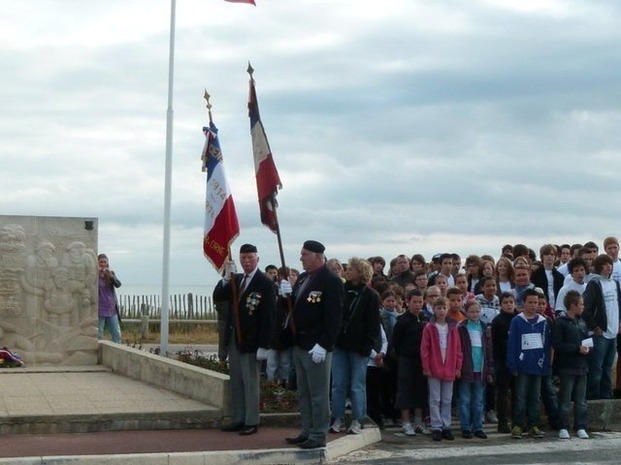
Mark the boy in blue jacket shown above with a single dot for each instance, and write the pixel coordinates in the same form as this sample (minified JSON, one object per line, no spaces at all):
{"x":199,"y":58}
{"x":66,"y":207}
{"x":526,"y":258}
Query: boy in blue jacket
{"x":528,"y":359}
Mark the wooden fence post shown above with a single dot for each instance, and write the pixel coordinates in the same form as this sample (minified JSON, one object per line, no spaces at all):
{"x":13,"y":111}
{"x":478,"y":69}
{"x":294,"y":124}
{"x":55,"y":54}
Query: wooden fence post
{"x":144,"y":321}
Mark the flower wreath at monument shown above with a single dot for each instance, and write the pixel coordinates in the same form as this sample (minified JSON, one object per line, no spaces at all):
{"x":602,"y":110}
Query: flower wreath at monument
{"x":9,"y":359}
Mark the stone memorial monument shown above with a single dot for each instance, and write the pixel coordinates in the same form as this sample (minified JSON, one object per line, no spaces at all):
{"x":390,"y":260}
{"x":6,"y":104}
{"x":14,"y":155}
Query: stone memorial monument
{"x":48,"y":289}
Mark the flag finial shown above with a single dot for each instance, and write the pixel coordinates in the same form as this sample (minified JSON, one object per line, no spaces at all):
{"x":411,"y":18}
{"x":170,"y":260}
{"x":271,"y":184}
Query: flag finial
{"x":207,"y":97}
{"x":250,"y":70}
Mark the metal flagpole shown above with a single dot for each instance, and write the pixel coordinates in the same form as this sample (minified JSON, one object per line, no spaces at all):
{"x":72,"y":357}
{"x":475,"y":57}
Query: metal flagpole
{"x":167,"y":188}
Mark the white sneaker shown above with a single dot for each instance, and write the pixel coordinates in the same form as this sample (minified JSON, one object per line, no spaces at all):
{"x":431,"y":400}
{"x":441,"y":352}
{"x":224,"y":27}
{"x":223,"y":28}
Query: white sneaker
{"x":355,"y":427}
{"x":582,"y":434}
{"x":490,"y":417}
{"x":408,"y":429}
{"x":336,"y":426}
{"x":420,"y":429}
{"x":564,"y":434}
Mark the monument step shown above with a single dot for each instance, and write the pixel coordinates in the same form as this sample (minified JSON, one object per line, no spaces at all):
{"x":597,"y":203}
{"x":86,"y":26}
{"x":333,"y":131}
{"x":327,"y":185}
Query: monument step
{"x":86,"y":423}
{"x":86,"y":399}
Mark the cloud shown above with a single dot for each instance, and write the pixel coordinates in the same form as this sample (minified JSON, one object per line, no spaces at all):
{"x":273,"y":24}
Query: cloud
{"x":400,"y":127}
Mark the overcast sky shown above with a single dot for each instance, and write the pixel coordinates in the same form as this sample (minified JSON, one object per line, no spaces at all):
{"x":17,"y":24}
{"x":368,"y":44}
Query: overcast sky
{"x":397,"y":126}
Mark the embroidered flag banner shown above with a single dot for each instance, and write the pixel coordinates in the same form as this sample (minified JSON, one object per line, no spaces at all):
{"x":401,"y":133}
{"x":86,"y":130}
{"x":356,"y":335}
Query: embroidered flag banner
{"x":221,"y":223}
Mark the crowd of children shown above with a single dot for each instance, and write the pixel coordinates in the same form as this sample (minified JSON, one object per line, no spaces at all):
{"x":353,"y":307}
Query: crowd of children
{"x":495,"y":342}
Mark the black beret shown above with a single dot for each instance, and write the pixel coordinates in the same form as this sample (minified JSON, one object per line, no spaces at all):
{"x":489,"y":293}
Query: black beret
{"x":314,"y":246}
{"x":248,"y":248}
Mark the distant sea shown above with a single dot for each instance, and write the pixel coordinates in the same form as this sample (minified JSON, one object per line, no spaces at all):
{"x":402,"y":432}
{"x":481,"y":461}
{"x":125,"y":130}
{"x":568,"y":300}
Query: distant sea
{"x":156,"y":289}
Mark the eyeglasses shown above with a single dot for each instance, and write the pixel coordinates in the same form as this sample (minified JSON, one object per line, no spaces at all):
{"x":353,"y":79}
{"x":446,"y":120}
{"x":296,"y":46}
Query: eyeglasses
{"x":433,"y":295}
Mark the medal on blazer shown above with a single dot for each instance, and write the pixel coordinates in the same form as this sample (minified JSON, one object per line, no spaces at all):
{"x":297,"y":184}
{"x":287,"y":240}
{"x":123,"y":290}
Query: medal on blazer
{"x":252,"y":302}
{"x":314,"y":297}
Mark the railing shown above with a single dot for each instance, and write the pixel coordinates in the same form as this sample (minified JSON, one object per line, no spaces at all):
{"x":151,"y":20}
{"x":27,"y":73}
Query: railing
{"x":181,"y":307}
{"x":186,"y":310}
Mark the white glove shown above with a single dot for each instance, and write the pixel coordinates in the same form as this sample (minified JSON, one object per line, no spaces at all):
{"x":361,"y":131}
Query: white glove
{"x":285,"y":288}
{"x":230,"y":270}
{"x":261,"y":353}
{"x":318,"y":353}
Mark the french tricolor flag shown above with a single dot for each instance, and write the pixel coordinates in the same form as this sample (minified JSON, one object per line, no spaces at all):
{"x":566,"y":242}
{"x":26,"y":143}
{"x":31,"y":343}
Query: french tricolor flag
{"x":268,"y":181}
{"x":221,"y":223}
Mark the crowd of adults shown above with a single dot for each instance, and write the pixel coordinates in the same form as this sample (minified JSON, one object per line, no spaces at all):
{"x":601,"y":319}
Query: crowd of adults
{"x":396,"y":339}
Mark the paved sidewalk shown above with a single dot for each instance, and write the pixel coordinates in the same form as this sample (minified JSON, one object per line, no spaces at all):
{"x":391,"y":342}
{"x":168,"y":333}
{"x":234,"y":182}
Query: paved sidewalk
{"x":175,"y":447}
{"x":94,"y":403}
{"x":132,"y":442}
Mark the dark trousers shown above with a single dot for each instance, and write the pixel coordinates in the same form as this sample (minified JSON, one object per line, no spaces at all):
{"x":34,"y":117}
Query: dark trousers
{"x":374,"y":394}
{"x":550,"y":402}
{"x":490,"y":397}
{"x":505,"y":398}
{"x":601,"y":358}
{"x":573,"y":388}
{"x":389,"y":392}
{"x":527,"y":405}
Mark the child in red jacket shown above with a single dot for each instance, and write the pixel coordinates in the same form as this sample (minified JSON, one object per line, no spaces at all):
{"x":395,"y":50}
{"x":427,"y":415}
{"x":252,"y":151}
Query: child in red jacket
{"x":442,"y":358}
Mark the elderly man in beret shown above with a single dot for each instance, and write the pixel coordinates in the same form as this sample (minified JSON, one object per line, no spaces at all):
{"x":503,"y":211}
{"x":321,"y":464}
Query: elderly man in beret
{"x":317,"y":312}
{"x":247,"y":335}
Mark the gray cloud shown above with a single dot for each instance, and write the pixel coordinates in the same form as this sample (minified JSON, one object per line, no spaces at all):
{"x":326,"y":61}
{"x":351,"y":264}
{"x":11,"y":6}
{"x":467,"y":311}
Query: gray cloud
{"x":397,"y":128}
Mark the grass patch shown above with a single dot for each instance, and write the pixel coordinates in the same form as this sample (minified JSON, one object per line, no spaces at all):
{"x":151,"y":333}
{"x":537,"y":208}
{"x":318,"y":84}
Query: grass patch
{"x":177,"y":334}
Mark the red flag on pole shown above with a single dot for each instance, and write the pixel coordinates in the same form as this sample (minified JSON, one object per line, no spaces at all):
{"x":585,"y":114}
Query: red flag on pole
{"x":242,"y":1}
{"x":221,"y":223}
{"x":268,"y":181}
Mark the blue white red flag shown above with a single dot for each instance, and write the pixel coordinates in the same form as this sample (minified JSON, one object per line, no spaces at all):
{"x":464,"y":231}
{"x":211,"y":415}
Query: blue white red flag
{"x":242,"y":1}
{"x":268,"y":181}
{"x":221,"y":223}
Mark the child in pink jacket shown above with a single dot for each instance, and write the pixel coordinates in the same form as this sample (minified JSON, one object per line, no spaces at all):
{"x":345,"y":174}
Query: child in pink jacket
{"x":442,"y":358}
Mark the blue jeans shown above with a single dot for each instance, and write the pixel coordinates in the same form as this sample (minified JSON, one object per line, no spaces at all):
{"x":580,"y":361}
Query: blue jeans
{"x":349,"y":372}
{"x":550,"y":402}
{"x":278,"y":364}
{"x":601,"y":358}
{"x":112,"y":322}
{"x":573,"y":388}
{"x":471,"y":403}
{"x":527,"y":390}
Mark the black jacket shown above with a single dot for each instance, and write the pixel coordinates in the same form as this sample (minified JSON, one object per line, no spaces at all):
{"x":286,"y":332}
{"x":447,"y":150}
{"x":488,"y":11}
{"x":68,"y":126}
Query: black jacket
{"x":500,"y":336}
{"x":360,"y":327}
{"x":256,"y":307}
{"x":407,"y":335}
{"x":318,"y":309}
{"x":594,"y":314}
{"x":540,"y":279}
{"x":567,"y":336}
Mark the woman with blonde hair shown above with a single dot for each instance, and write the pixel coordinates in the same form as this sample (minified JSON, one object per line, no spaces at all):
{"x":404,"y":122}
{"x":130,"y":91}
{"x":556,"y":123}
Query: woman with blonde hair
{"x":357,"y":340}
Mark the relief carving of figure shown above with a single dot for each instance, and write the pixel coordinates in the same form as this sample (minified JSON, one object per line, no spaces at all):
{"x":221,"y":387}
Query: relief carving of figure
{"x":59,"y":302}
{"x":81,"y":265}
{"x":12,"y":263}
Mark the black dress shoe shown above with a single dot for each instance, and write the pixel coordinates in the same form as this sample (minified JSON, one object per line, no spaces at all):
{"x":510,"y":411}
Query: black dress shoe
{"x":480,"y":434}
{"x":447,"y":434}
{"x":248,"y":430}
{"x":297,"y":440}
{"x":311,"y":444}
{"x":232,"y":427}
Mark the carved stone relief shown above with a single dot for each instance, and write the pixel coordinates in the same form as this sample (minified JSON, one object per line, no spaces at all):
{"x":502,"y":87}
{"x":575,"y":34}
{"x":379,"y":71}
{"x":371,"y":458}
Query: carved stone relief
{"x":48,"y":289}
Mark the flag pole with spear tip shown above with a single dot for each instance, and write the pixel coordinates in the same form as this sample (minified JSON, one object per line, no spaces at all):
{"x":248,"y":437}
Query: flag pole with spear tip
{"x":268,"y":180}
{"x":224,"y":227}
